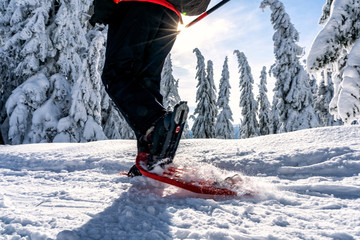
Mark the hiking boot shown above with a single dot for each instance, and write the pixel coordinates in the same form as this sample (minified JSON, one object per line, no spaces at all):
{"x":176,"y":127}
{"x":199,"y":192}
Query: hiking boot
{"x":165,"y":135}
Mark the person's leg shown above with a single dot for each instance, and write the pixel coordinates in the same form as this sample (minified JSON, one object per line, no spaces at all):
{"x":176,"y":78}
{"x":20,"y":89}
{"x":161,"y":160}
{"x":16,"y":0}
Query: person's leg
{"x":134,"y":59}
{"x":155,"y":54}
{"x":138,"y":42}
{"x":157,"y":51}
{"x":165,"y":135}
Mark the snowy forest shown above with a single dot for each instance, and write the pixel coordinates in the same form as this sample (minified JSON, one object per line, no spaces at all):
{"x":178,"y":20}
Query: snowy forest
{"x":51,"y":61}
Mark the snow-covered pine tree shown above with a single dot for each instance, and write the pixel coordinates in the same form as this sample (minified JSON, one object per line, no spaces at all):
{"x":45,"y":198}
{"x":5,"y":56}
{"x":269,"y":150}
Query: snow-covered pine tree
{"x":49,"y":48}
{"x":3,"y":94}
{"x":340,"y":35}
{"x":294,"y":99}
{"x":198,"y":127}
{"x":314,"y":87}
{"x":21,"y":105}
{"x":325,"y":94}
{"x":169,"y":86}
{"x":275,"y":113}
{"x":326,"y":12}
{"x":348,"y":96}
{"x":169,"y":90}
{"x":186,"y":132}
{"x":248,"y":105}
{"x":212,"y":107}
{"x":206,"y":111}
{"x":264,"y":109}
{"x":321,"y":105}
{"x":45,"y":118}
{"x":24,"y":46}
{"x":3,"y":23}
{"x":84,"y":120}
{"x":115,"y":125}
{"x":26,"y":41}
{"x":224,"y":128}
{"x":337,"y":69}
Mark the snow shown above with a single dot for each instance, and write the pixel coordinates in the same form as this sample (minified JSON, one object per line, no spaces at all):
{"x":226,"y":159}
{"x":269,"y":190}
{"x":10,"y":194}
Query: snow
{"x":307,"y":186}
{"x":336,"y":47}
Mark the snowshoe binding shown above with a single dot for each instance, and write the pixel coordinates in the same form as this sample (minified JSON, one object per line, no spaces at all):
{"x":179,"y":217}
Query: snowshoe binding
{"x":165,"y":135}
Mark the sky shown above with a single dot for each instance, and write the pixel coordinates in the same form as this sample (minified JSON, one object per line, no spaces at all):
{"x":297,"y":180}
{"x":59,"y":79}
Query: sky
{"x":238,"y":25}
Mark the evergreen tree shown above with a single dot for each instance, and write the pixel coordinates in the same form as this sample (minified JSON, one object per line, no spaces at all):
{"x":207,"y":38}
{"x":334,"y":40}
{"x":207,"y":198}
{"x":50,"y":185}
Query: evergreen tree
{"x":204,"y":125}
{"x":313,"y":87}
{"x":114,"y":124}
{"x":264,"y":105}
{"x":25,"y":44}
{"x":347,"y":96}
{"x":314,"y":91}
{"x":248,"y":105}
{"x":54,"y":62}
{"x":224,"y":128}
{"x":339,"y":37}
{"x":293,"y":97}
{"x":169,"y":90}
{"x":21,"y":105}
{"x":46,"y":117}
{"x":211,"y":93}
{"x":76,"y":50}
{"x":326,"y":12}
{"x":198,"y":127}
{"x":275,"y":112}
{"x":4,"y":31}
{"x":84,"y":120}
{"x":186,"y":132}
{"x":3,"y":27}
{"x":337,"y":77}
{"x":169,"y":86}
{"x":325,"y":94}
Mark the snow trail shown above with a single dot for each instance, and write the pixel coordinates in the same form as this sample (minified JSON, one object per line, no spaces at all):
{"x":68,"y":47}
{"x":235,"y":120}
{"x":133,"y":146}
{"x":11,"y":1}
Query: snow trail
{"x":307,"y":184}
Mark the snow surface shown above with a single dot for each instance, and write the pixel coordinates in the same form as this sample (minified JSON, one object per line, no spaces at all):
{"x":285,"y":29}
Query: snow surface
{"x":307,"y":186}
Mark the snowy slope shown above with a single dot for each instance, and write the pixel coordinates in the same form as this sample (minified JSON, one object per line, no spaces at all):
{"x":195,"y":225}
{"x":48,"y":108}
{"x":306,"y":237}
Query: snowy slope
{"x":307,"y":184}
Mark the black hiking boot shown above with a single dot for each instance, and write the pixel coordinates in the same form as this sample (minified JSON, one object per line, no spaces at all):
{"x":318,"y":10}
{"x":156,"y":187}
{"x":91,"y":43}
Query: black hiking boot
{"x":165,"y":135}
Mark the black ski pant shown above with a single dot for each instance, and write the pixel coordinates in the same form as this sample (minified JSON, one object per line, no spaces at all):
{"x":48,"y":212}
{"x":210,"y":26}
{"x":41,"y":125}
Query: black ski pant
{"x":139,"y":38}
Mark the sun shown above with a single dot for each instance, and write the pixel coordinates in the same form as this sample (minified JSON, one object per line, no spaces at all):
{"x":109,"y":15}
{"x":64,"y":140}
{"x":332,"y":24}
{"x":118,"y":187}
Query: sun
{"x":203,"y":33}
{"x":181,"y":27}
